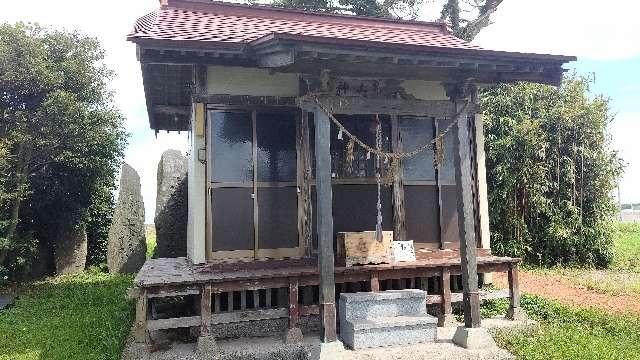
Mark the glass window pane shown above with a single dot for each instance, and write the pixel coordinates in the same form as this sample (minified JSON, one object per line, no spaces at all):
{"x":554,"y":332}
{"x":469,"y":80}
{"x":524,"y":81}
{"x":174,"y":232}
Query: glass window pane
{"x":277,"y":217}
{"x":231,"y":146}
{"x":364,"y":128}
{"x":415,"y":132}
{"x":232,"y":215}
{"x":276,"y":140}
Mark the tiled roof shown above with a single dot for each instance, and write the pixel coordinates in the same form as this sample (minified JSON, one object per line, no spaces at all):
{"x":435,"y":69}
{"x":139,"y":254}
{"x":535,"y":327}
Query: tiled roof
{"x":224,"y":23}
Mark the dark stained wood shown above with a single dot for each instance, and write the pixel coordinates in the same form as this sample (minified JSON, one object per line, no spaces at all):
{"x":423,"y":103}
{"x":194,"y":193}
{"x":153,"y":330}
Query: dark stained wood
{"x":251,"y":100}
{"x":200,"y":77}
{"x":294,"y":307}
{"x":205,"y":310}
{"x":325,"y":226}
{"x":306,"y":216}
{"x":390,"y":106}
{"x":446,"y":291}
{"x":466,"y":226}
{"x":399,"y":223}
{"x":141,"y":316}
{"x":514,"y":287}
{"x":375,"y":281}
{"x":175,"y":323}
{"x":250,"y":315}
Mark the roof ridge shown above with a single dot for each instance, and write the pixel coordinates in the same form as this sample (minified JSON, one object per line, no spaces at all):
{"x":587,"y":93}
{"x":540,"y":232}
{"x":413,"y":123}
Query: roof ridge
{"x":268,"y":11}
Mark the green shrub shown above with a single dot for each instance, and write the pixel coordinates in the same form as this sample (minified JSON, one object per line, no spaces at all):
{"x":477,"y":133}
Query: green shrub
{"x":550,"y":173}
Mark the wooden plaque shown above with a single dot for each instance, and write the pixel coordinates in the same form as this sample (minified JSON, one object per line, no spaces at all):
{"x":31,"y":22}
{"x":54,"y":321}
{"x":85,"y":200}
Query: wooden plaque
{"x":361,"y":248}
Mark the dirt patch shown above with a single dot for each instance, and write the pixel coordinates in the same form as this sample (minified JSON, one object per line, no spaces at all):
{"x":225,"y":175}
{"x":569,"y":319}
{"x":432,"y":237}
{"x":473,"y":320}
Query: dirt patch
{"x":561,"y":289}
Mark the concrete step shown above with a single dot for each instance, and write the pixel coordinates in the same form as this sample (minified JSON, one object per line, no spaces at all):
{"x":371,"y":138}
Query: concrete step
{"x":388,"y":331}
{"x":391,"y":322}
{"x":368,"y":305}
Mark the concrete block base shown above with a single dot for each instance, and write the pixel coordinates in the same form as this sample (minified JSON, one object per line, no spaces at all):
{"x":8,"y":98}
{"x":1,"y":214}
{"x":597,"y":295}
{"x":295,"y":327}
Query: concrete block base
{"x":293,"y":336}
{"x":447,"y":320}
{"x":516,"y":314}
{"x":327,"y":351}
{"x":381,"y":332}
{"x":473,"y":338}
{"x":206,"y":347}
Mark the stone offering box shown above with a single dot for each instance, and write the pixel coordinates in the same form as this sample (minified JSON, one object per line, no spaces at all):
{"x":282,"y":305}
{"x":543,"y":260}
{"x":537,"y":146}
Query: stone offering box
{"x":362,"y":248}
{"x":392,"y":317}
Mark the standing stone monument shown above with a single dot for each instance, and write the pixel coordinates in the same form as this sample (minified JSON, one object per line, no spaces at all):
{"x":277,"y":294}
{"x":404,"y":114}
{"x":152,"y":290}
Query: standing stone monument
{"x":71,"y":249}
{"x":171,"y":206}
{"x":127,"y":248}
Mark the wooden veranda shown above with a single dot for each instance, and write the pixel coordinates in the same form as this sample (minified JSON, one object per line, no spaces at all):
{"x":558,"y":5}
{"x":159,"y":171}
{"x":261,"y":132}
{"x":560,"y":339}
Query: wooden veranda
{"x":227,"y":293}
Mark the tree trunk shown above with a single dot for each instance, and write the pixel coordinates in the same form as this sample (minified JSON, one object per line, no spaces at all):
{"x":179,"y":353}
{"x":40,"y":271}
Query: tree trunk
{"x":21,"y":182}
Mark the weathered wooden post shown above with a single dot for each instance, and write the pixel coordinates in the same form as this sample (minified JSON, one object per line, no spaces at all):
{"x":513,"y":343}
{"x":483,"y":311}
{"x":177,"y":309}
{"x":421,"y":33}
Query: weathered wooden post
{"x":468,"y":336}
{"x":324,"y":218}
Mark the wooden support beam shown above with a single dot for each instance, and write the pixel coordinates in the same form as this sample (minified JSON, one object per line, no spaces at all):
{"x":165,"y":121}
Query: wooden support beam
{"x":325,"y":226}
{"x":399,"y":218}
{"x":205,"y":310}
{"x":306,"y":208}
{"x":437,"y":129}
{"x":294,"y":306}
{"x":445,"y":292}
{"x":466,"y":219}
{"x":375,"y":281}
{"x":514,"y":287}
{"x":141,"y":316}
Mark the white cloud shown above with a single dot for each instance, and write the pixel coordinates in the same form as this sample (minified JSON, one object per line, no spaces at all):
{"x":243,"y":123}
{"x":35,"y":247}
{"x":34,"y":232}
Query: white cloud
{"x":144,"y":155}
{"x":624,"y":130}
{"x":588,"y":29}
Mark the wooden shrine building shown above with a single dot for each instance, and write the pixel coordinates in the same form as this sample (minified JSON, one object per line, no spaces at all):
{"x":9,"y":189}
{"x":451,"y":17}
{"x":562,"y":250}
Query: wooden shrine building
{"x":306,"y":125}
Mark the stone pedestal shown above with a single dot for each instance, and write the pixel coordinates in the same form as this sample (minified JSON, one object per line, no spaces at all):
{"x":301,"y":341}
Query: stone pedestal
{"x":327,"y":351}
{"x":385,"y":318}
{"x":516,"y":314}
{"x":207,"y":348}
{"x":293,"y":336}
{"x":473,"y":338}
{"x":447,"y":320}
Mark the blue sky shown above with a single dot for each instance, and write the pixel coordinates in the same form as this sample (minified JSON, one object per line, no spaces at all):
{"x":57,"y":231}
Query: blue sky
{"x":604,"y":37}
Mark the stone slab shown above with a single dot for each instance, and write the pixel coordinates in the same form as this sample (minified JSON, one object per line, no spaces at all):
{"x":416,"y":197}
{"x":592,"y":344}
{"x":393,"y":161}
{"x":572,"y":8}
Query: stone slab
{"x":389,"y":336}
{"x":473,"y":338}
{"x":6,"y":301}
{"x":382,"y":304}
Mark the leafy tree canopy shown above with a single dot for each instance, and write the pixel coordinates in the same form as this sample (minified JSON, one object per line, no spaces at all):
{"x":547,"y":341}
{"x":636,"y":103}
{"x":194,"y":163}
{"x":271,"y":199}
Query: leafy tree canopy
{"x":61,"y":139}
{"x":465,"y":17}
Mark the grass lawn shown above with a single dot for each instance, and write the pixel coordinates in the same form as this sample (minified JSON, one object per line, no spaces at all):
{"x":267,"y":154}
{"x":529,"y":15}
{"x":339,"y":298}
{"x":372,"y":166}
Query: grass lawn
{"x":150,"y":235}
{"x":81,"y":316}
{"x":568,"y":333}
{"x":627,"y":247}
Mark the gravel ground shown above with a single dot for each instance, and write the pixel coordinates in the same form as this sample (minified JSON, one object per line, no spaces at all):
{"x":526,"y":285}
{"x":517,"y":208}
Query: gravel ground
{"x":443,"y":349}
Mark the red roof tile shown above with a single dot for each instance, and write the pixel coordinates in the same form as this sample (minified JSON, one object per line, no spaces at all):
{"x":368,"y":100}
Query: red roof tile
{"x":215,"y":22}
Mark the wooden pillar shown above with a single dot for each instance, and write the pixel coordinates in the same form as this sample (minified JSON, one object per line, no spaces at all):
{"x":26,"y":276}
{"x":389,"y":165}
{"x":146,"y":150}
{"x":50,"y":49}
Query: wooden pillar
{"x":141,"y":316}
{"x":438,"y":172}
{"x":399,"y":218}
{"x":304,"y":184}
{"x":294,"y":306}
{"x":466,"y":218}
{"x":205,"y":310}
{"x":445,"y":317}
{"x":515,"y":311}
{"x":375,"y":282}
{"x":324,"y":218}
